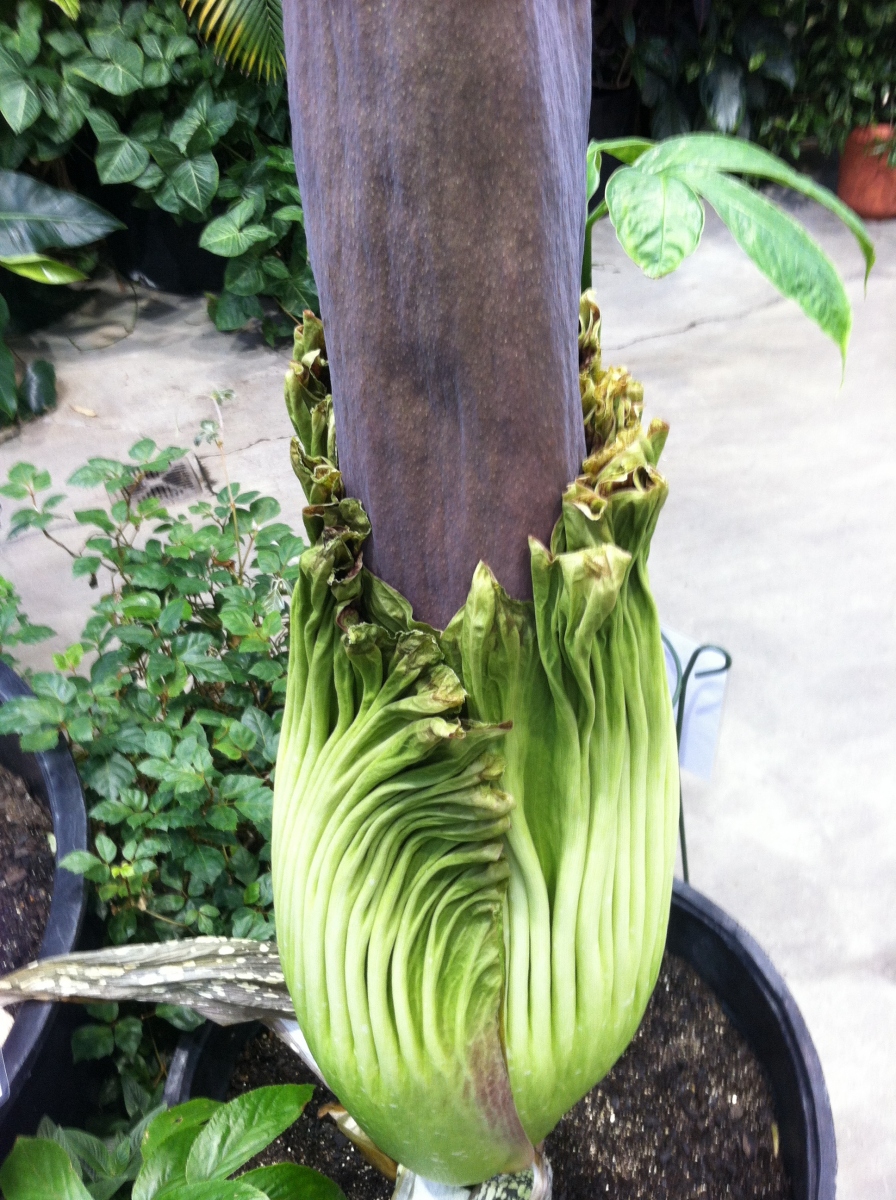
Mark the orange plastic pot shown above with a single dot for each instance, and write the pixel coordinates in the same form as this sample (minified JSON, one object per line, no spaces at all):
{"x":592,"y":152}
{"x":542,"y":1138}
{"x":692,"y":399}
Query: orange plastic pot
{"x":866,"y":183}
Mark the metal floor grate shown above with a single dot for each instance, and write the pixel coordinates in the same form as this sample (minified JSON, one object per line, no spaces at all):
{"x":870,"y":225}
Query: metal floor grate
{"x":179,"y":482}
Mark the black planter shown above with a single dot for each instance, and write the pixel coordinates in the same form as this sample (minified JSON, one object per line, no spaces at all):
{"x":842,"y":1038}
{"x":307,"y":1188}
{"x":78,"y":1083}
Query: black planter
{"x":750,"y":990}
{"x":37,"y":1051}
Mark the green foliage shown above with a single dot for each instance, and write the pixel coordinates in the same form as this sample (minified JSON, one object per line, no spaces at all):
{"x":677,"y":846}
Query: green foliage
{"x":134,"y":87}
{"x":15,"y":628}
{"x":175,"y":723}
{"x":34,"y":218}
{"x":246,"y":33}
{"x":656,"y":206}
{"x":781,"y":72}
{"x":184,"y":1153}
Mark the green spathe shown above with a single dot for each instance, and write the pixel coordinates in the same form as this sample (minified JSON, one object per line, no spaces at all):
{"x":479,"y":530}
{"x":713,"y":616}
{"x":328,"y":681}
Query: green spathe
{"x":474,"y":830}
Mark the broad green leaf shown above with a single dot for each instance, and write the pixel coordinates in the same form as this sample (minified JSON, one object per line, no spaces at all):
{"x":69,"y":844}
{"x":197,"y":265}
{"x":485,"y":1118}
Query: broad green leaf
{"x":295,"y":212}
{"x":231,"y":312}
{"x":215,"y":1189}
{"x":204,"y":864}
{"x":781,"y":249}
{"x":108,"y":776}
{"x":242,"y":1128}
{"x":163,"y":1169}
{"x":19,"y":101}
{"x":227,"y":236}
{"x":121,"y":159}
{"x":141,"y":606}
{"x":91,"y":1042}
{"x":42,"y":269}
{"x":289,"y":1181}
{"x":191,"y":1115}
{"x":196,"y":180}
{"x":119,"y":70}
{"x":38,"y":1169}
{"x":71,"y":8}
{"x":79,"y":861}
{"x":156,"y":74}
{"x":657,"y":218}
{"x":36,"y":217}
{"x":103,"y":124}
{"x":718,"y":153}
{"x":180,"y":1017}
{"x":627,"y":150}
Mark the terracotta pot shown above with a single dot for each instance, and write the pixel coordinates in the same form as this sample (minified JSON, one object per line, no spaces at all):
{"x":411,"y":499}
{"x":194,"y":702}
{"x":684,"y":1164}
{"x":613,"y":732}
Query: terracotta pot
{"x":866,"y":183}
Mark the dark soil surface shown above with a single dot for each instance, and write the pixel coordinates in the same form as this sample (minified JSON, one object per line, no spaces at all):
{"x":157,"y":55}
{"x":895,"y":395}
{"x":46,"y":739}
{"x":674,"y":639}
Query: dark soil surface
{"x":26,"y":872}
{"x":685,"y":1113}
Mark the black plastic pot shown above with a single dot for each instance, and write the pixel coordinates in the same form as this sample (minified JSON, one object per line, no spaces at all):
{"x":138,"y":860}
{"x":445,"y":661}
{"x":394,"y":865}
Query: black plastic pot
{"x":37,"y":1052}
{"x":750,"y":990}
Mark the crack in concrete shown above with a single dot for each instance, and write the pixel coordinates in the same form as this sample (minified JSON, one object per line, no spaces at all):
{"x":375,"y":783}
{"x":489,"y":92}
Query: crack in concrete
{"x":696,"y":324}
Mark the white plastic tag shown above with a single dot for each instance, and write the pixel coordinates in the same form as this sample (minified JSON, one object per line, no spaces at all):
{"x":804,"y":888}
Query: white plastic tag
{"x":704,"y":696}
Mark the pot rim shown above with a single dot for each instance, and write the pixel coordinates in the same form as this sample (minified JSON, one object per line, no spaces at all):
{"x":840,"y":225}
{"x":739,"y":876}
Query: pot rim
{"x":51,"y":774}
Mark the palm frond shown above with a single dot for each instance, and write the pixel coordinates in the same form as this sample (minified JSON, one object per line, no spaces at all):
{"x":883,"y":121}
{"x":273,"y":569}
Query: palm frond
{"x":247,"y":34}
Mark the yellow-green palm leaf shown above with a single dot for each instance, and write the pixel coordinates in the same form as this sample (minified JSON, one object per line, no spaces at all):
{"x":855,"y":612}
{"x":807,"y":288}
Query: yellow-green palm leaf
{"x":247,"y":34}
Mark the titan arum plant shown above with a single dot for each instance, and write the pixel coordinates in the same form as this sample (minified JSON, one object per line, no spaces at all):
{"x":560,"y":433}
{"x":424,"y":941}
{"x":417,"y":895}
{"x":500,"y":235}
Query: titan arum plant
{"x":476,"y":793}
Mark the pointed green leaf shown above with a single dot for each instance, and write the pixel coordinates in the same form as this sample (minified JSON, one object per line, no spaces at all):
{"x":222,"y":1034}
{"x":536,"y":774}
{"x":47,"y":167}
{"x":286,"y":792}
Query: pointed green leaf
{"x":229,"y":236}
{"x":42,"y":269}
{"x":119,"y":70}
{"x":657,"y":218}
{"x":191,"y":1115}
{"x":781,"y":249}
{"x":717,"y":153}
{"x":289,"y":1181}
{"x":196,"y":180}
{"x":19,"y":101}
{"x":38,"y":1169}
{"x":239,"y":1130}
{"x":35,"y":217}
{"x":121,"y":159}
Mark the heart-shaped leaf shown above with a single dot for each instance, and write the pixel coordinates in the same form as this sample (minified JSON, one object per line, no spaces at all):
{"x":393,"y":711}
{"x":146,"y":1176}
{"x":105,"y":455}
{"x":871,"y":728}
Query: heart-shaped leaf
{"x":658,"y":219}
{"x":196,"y":180}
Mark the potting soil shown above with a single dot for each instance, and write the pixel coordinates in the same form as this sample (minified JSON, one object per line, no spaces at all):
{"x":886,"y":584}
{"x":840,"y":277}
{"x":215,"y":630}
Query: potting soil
{"x":26,"y":872}
{"x":685,"y":1113}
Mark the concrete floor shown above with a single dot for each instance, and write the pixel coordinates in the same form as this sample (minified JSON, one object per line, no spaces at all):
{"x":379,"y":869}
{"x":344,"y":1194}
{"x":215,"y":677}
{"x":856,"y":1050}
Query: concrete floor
{"x":777,"y":542}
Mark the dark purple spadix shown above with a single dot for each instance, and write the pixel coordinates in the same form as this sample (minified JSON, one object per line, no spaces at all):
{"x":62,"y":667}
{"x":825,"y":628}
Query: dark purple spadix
{"x":440,"y":148}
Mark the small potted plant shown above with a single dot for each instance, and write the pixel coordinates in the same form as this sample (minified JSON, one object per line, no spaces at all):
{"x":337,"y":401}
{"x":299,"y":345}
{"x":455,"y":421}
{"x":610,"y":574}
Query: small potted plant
{"x":867,"y":180}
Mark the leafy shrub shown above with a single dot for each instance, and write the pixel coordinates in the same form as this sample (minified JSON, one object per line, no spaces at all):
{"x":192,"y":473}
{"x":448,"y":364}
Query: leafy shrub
{"x":134,"y":87}
{"x":779,"y":72}
{"x":174,"y":726}
{"x":15,"y":628}
{"x":189,"y":1151}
